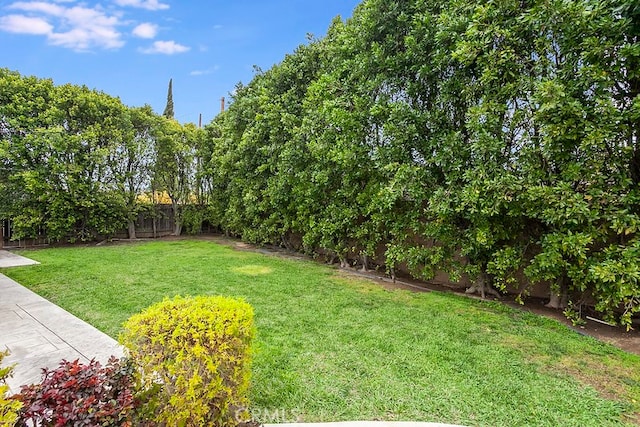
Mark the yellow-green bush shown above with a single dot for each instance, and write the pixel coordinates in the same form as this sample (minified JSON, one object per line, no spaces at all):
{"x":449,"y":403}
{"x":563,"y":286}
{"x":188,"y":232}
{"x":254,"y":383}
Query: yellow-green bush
{"x":199,"y":351}
{"x":8,"y":407}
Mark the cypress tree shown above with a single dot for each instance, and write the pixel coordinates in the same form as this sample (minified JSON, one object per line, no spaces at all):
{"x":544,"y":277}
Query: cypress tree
{"x":168,"y":110}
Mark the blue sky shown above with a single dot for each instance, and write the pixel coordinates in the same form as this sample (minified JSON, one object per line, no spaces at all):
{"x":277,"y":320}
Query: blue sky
{"x":131,"y":48}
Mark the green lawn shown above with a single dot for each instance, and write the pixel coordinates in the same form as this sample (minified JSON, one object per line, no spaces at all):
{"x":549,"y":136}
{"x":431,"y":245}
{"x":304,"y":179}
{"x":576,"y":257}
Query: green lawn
{"x":330,"y":347}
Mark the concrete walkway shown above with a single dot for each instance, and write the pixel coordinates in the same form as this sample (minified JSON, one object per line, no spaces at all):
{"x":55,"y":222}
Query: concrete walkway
{"x":40,"y":334}
{"x":9,"y":259}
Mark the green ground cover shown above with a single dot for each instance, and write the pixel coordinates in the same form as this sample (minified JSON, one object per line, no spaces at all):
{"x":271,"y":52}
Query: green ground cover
{"x":330,"y":347}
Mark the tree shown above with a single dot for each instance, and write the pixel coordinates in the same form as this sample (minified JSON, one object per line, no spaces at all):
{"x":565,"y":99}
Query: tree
{"x":75,"y":159}
{"x":168,"y":110}
{"x":174,"y":164}
{"x":133,"y":161}
{"x":24,"y":105}
{"x":82,"y":191}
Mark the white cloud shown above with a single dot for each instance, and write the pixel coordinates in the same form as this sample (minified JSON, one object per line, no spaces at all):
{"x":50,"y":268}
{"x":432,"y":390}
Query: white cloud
{"x":166,"y":47}
{"x":143,"y":4}
{"x":77,"y":27}
{"x":204,"y":72}
{"x":83,"y":26}
{"x":39,"y":6}
{"x":25,"y":25}
{"x":145,"y":30}
{"x":85,"y":38}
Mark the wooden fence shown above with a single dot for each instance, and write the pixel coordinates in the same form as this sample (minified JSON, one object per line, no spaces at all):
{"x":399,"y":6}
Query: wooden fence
{"x":154,"y":224}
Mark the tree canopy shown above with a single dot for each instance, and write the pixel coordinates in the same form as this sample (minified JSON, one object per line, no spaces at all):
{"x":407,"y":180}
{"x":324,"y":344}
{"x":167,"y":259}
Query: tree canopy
{"x":75,"y":161}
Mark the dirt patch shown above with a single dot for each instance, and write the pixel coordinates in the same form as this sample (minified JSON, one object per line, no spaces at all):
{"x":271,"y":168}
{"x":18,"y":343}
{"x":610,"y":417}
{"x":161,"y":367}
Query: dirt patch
{"x":614,"y":335}
{"x":617,"y":383}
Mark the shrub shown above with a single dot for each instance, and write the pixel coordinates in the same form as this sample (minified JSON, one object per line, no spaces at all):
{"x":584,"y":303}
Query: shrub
{"x":9,"y":407}
{"x":79,"y":394}
{"x":198,"y":350}
{"x":192,"y":218}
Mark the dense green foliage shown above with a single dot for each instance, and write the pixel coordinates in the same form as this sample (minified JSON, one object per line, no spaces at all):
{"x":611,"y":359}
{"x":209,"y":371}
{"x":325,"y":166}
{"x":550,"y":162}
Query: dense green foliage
{"x":74,"y":162}
{"x":330,"y":347}
{"x":198,"y":350}
{"x":495,"y":140}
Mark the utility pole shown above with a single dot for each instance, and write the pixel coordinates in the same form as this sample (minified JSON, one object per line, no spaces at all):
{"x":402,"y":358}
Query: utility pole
{"x":222,"y":104}
{"x":200,"y":121}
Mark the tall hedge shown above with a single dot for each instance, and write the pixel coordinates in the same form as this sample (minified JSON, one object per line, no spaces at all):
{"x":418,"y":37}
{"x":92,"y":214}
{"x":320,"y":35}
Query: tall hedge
{"x":75,"y":162}
{"x":498,"y":140}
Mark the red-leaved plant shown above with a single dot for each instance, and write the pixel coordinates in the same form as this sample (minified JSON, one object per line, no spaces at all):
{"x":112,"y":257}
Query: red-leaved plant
{"x":75,"y":394}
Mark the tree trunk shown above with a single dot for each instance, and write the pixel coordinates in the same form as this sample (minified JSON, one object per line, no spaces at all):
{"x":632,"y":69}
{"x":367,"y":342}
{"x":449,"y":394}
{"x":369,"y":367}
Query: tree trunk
{"x":177,"y":221}
{"x":285,"y":243}
{"x":132,"y":229}
{"x":177,"y":230}
{"x":392,"y":273}
{"x":365,"y":263}
{"x":482,"y":286}
{"x":155,"y":227}
{"x":558,"y":299}
{"x":343,"y":262}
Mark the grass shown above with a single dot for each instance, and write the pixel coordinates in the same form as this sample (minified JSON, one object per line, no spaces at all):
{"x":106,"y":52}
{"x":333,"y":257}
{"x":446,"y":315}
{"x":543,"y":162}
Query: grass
{"x":331,"y":347}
